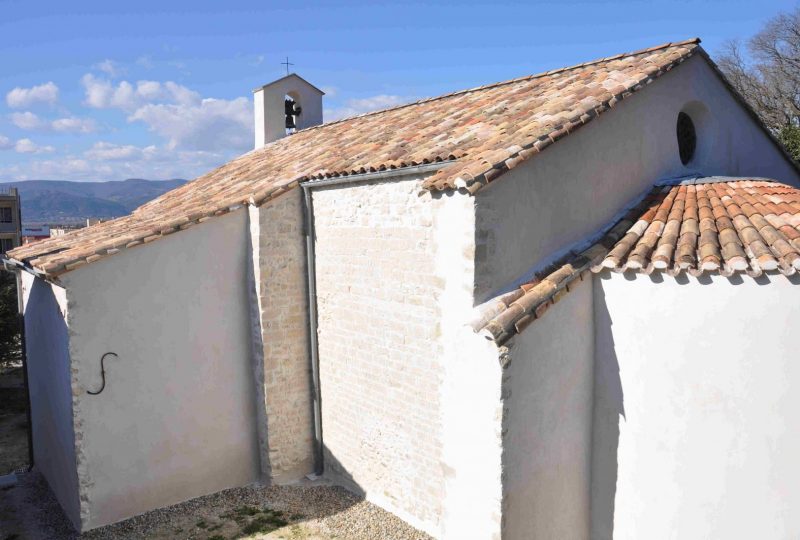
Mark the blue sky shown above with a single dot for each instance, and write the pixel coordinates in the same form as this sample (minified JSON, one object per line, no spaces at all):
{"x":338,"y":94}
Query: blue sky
{"x":113,"y":90}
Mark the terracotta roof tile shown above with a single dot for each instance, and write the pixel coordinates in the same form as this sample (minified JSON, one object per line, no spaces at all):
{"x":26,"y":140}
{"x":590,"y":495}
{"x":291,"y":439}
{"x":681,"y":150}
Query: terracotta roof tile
{"x":726,"y":240}
{"x":484,"y":132}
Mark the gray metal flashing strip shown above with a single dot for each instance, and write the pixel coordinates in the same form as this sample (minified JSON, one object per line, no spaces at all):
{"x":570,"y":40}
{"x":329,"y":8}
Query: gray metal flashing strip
{"x":377,"y":175}
{"x":695,"y":179}
{"x":19,"y":265}
{"x":313,"y":345}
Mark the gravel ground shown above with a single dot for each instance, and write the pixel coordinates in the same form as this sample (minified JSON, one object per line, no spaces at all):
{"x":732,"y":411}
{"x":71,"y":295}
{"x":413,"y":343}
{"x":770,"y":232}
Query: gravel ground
{"x":315,"y":511}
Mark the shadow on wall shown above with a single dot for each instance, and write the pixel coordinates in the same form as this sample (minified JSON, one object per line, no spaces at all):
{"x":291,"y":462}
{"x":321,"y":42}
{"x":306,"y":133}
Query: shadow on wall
{"x":50,"y":387}
{"x":337,"y":473}
{"x":609,"y":404}
{"x":609,"y":411}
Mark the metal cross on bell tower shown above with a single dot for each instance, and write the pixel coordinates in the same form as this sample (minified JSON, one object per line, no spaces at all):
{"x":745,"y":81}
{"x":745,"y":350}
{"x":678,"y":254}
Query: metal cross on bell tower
{"x":287,"y":64}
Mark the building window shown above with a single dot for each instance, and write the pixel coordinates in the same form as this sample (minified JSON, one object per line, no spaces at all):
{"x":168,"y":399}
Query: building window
{"x":6,"y":244}
{"x":687,"y":138}
{"x":6,"y":215}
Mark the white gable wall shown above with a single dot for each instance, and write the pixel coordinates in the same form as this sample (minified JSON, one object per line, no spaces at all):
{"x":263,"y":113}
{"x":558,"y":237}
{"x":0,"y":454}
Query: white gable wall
{"x":578,"y":185}
{"x":177,"y":417}
{"x":562,"y":197}
{"x":49,"y":381}
{"x":696,"y":400}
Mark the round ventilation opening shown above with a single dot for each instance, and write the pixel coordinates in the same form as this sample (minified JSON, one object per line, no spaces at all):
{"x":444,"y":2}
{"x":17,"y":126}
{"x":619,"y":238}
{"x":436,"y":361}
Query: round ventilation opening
{"x":687,"y":138}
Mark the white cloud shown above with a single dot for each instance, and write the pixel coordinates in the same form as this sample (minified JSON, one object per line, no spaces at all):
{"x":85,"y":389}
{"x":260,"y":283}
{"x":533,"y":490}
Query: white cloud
{"x":210,"y":125}
{"x":102,"y":94}
{"x":181,"y":94}
{"x":73,"y":124}
{"x":109,"y":161}
{"x":149,"y":90}
{"x":27,"y":121}
{"x":5,"y":143}
{"x":24,"y":97}
{"x":353,"y":107}
{"x":177,"y":113}
{"x":27,"y":146}
{"x":110,"y":68}
{"x":69,"y":168}
{"x":105,"y":151}
{"x":198,"y":134}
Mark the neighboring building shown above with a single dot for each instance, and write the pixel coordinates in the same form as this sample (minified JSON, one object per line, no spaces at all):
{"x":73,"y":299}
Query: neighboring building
{"x":34,"y":233}
{"x":405,"y":302}
{"x":61,"y":230}
{"x":10,"y":219}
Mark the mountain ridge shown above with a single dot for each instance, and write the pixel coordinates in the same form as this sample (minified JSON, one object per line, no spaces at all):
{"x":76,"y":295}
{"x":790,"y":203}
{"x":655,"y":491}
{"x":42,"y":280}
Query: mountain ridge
{"x":66,"y":202}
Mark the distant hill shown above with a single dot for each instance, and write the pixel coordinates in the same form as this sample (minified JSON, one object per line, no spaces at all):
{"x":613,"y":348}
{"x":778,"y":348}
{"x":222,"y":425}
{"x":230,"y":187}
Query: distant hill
{"x":60,"y":201}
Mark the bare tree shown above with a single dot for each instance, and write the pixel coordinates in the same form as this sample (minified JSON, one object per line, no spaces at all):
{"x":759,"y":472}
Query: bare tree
{"x":769,"y":79}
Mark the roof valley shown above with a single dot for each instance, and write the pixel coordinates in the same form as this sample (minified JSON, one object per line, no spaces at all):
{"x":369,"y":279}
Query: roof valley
{"x":744,"y":226}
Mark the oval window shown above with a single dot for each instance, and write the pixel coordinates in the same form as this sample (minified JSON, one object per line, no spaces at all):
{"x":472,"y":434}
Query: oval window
{"x":687,"y":138}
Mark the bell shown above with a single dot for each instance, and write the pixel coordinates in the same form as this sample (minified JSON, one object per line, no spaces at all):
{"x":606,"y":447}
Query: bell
{"x":288,"y":107}
{"x":291,"y":109}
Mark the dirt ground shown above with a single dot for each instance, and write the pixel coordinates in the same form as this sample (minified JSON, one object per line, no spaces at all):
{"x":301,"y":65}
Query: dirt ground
{"x":13,"y":421}
{"x":314,"y":511}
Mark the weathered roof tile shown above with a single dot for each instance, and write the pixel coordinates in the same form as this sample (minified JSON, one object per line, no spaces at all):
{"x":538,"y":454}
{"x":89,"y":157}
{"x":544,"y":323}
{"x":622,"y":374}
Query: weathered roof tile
{"x":483,"y":132}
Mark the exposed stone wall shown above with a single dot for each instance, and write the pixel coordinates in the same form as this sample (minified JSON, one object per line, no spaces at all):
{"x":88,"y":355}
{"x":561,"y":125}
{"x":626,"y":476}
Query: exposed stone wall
{"x":281,"y":276}
{"x":380,"y":353}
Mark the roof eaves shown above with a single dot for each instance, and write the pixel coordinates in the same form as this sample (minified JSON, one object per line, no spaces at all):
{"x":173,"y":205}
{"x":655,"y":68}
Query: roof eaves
{"x":53,"y":270}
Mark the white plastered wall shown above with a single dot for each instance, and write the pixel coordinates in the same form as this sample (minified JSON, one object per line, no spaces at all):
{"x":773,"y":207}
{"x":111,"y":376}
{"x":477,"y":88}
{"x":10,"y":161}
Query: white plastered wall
{"x":49,"y":380}
{"x":411,"y":405}
{"x":547,"y":422}
{"x":578,"y":185}
{"x":562,"y":197}
{"x":177,"y":417}
{"x":696,"y":402}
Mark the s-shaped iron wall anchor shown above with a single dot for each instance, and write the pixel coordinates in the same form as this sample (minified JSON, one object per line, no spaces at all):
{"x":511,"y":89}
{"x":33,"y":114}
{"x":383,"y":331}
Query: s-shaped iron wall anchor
{"x":102,"y":372}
